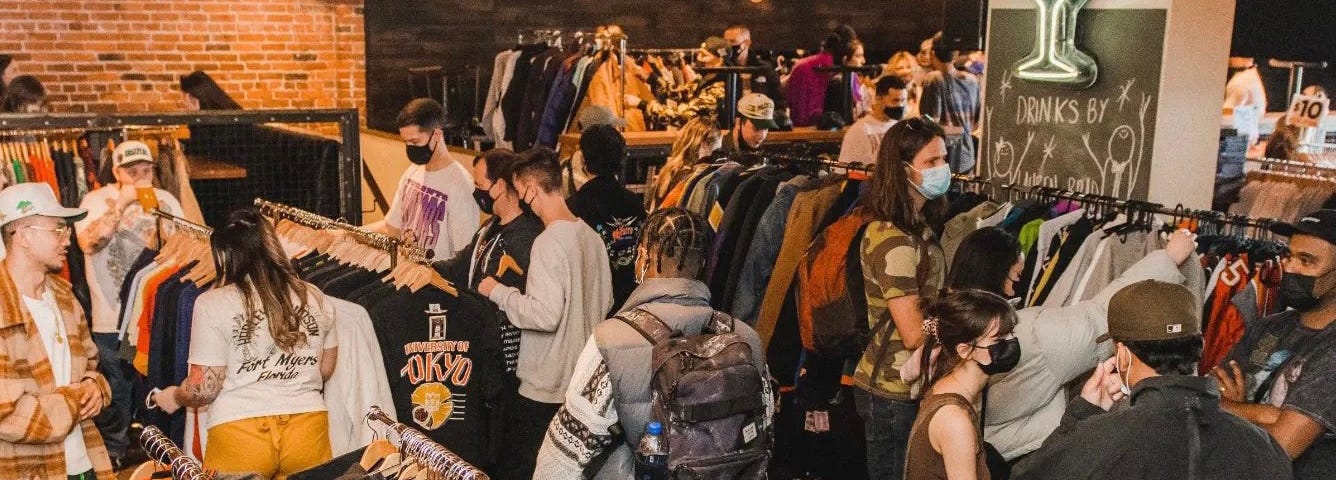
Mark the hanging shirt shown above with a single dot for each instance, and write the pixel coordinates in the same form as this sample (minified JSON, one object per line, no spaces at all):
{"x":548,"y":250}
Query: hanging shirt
{"x":56,"y":340}
{"x":435,"y":209}
{"x":442,"y":355}
{"x":107,"y":267}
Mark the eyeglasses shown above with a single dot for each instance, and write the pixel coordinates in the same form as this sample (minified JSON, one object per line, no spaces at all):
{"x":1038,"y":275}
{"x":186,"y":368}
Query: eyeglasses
{"x":62,"y":230}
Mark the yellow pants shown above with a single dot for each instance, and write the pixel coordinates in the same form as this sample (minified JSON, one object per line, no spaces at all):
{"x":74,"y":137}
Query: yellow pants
{"x":273,"y":447}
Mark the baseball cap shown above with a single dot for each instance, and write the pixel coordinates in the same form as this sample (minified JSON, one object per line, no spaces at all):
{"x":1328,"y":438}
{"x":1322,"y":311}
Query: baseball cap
{"x":1320,"y":224}
{"x":759,"y":108}
{"x":129,"y":152}
{"x":23,"y":200}
{"x":716,"y":46}
{"x":1152,"y":310}
{"x":598,"y":115}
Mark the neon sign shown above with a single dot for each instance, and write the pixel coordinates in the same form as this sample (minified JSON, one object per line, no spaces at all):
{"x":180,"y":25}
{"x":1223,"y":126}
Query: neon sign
{"x":1055,"y":58}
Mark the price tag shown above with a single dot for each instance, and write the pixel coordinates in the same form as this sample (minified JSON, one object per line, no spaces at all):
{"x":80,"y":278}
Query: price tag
{"x":1308,"y":111}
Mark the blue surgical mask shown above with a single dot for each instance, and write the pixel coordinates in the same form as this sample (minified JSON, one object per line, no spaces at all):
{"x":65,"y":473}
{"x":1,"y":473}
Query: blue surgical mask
{"x":936,"y":181}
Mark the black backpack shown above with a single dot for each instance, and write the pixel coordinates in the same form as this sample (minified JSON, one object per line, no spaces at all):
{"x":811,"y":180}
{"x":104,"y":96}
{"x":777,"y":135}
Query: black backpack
{"x":711,"y":397}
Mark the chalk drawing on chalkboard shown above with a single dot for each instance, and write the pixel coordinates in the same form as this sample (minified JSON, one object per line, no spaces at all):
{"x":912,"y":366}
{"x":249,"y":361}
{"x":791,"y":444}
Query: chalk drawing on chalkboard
{"x":1123,"y":97}
{"x":1006,"y":85}
{"x":1006,"y":162}
{"x":1055,"y":58}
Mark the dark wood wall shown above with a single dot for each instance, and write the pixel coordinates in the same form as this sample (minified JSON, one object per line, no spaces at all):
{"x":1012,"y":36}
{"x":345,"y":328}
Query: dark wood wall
{"x":461,"y":33}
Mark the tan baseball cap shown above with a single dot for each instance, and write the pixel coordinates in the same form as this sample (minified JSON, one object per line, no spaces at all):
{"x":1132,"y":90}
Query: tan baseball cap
{"x":1152,"y":310}
{"x":129,"y":152}
{"x":760,"y":109}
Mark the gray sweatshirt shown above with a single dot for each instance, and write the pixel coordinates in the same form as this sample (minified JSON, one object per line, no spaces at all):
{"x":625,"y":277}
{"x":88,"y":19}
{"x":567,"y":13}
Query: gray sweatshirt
{"x":568,"y":291}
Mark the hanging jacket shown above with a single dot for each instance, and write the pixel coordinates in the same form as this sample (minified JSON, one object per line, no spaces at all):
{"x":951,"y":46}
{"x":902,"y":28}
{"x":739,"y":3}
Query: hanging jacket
{"x":1174,"y":429}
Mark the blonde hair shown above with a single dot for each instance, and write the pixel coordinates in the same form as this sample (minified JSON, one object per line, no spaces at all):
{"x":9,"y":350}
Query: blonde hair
{"x":889,"y":69}
{"x":686,"y":151}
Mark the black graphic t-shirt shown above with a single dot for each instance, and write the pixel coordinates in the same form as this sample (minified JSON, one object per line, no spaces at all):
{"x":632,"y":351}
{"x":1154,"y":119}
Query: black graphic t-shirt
{"x":617,"y":215}
{"x":1306,"y":383}
{"x":443,"y":359}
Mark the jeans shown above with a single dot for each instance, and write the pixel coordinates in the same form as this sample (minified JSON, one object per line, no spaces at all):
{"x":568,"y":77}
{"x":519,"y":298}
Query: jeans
{"x":886,"y":424}
{"x":526,"y":423}
{"x":114,"y":421}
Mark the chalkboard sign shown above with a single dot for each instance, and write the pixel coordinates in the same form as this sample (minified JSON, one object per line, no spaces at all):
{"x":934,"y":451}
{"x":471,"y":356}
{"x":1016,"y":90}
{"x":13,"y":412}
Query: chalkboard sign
{"x":1096,"y":140}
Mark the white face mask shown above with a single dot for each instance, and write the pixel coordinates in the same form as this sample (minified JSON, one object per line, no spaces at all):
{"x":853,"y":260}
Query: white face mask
{"x":1124,"y":374}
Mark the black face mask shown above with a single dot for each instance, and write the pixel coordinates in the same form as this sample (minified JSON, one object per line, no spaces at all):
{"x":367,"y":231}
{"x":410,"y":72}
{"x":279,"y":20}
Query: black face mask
{"x":735,"y":54}
{"x":484,"y":199}
{"x":1006,"y":355}
{"x":896,"y":113}
{"x":420,"y":155}
{"x":527,"y":207}
{"x":1297,"y":291}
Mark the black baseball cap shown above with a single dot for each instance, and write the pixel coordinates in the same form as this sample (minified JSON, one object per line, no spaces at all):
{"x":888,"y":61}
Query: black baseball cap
{"x":1320,"y":224}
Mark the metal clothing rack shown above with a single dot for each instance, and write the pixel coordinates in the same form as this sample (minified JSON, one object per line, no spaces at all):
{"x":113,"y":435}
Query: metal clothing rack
{"x":816,"y":160}
{"x":1292,"y":166}
{"x":437,"y":458}
{"x":318,"y":222}
{"x":184,"y":224}
{"x":1116,"y":204}
{"x":163,"y":451}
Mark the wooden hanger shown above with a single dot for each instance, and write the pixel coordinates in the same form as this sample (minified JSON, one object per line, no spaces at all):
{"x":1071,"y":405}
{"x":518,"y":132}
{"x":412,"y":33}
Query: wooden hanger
{"x":376,"y":453}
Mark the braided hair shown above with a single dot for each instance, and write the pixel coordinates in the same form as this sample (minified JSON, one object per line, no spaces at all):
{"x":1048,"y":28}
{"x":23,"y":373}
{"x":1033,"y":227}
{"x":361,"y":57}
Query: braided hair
{"x":678,"y":238}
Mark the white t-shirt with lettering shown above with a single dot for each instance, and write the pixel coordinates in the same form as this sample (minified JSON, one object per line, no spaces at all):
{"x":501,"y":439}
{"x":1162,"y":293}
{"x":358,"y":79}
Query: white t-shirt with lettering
{"x":436,"y":209}
{"x":262,"y":379}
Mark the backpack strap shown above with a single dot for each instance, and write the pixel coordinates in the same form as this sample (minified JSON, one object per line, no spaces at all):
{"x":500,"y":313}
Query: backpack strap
{"x":720,"y":322}
{"x":647,"y":325}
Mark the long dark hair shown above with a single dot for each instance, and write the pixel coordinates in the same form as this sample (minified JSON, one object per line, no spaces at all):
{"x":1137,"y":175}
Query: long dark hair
{"x":984,"y":260}
{"x":888,"y":197}
{"x":959,"y":318}
{"x":839,"y":42}
{"x":211,"y":96}
{"x":23,"y":90}
{"x":247,"y":254}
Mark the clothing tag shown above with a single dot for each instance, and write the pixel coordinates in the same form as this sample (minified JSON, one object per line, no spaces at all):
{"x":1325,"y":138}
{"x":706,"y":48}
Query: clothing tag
{"x":749,"y":433}
{"x":822,"y":421}
{"x":809,"y":423}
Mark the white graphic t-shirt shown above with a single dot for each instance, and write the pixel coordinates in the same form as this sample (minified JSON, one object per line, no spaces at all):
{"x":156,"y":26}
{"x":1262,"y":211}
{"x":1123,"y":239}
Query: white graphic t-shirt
{"x":863,"y":140}
{"x":107,"y":267}
{"x":435,"y":209}
{"x":262,"y":379}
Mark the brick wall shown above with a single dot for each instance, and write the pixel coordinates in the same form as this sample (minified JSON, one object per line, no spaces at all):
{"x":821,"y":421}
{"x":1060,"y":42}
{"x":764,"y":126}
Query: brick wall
{"x":461,"y":33}
{"x":126,"y":55}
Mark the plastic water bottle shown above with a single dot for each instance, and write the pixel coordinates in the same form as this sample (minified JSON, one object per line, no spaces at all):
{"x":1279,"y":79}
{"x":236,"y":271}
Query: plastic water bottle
{"x":652,"y":454}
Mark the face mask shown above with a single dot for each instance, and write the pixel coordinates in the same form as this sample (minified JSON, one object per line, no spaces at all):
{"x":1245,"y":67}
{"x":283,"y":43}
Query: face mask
{"x":936,"y":181}
{"x":1304,"y":292}
{"x":1006,"y":355}
{"x":484,"y":199}
{"x":895,"y":113}
{"x":420,"y":155}
{"x":1124,"y":375}
{"x":526,"y":206}
{"x":735,"y":52}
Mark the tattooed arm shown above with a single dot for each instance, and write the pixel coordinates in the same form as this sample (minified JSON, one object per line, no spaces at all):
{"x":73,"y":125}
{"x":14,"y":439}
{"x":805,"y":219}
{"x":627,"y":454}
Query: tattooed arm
{"x":201,"y":388}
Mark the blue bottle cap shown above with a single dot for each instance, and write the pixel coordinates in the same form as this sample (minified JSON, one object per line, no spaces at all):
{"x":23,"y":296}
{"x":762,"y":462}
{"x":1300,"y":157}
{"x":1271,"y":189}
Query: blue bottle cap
{"x":655,"y":428}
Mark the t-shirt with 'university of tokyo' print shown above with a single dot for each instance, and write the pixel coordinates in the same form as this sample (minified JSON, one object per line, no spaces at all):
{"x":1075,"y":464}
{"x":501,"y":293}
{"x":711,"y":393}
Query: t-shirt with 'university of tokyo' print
{"x":435,"y":209}
{"x":262,"y":379}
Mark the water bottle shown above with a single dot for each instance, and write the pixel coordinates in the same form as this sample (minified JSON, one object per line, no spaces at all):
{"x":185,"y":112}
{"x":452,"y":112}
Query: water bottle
{"x":652,"y":454}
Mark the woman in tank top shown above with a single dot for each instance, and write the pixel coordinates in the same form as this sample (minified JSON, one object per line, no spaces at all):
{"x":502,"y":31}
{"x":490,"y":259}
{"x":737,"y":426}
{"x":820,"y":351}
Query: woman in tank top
{"x":969,"y":335}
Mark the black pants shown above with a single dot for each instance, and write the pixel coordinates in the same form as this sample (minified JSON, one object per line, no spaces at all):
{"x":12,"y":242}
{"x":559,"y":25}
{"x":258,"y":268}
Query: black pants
{"x":526,"y":424}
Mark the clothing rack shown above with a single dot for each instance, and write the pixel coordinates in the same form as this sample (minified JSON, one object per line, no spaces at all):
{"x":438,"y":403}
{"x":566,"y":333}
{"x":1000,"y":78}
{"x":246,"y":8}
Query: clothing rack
{"x":162,"y":450}
{"x":1137,"y":206}
{"x":817,"y":160}
{"x":318,"y":222}
{"x":187,"y":225}
{"x":1292,"y":166}
{"x":415,"y":445}
{"x":651,"y":51}
{"x":552,"y":37}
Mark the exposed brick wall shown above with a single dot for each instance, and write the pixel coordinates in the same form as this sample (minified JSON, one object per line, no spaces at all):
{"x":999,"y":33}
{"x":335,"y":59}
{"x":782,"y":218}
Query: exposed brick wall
{"x":126,"y":55}
{"x":459,"y":33}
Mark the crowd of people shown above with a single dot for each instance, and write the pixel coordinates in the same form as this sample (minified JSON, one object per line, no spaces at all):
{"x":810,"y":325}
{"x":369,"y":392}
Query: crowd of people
{"x":948,"y":363}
